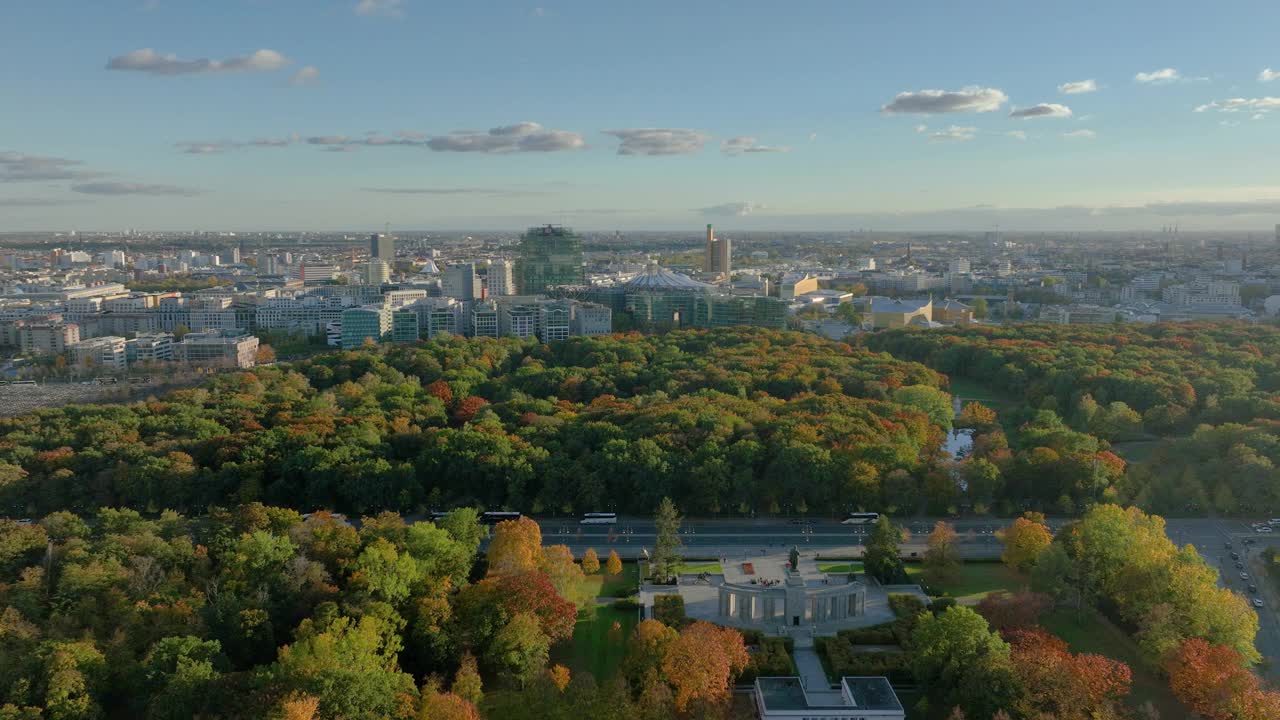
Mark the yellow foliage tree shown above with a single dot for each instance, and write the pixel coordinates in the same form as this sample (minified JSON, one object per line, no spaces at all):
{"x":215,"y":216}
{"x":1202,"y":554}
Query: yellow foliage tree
{"x":590,"y":562}
{"x":516,"y":547}
{"x":613,"y":565}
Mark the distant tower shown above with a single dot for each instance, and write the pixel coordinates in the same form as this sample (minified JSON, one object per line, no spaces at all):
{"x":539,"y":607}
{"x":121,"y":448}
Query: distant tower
{"x":383,"y":247}
{"x":717,"y":256}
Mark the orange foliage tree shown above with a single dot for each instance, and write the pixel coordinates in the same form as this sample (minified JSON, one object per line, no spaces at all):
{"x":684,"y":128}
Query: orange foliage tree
{"x":701,"y":663}
{"x":516,"y":547}
{"x":1214,"y":681}
{"x":1060,"y":684}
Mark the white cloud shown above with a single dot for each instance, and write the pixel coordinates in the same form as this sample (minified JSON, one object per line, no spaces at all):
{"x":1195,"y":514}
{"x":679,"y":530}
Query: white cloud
{"x":389,"y":8}
{"x":735,"y":209}
{"x":932,"y":102}
{"x":922,"y":128}
{"x":1080,"y":135}
{"x":1078,"y":87}
{"x":130,"y":188}
{"x":1253,"y":105}
{"x":813,"y":136}
{"x":1017,"y":134}
{"x":954,"y":133}
{"x":521,"y":137}
{"x":1267,"y":75}
{"x":745,"y":144}
{"x":659,"y":141}
{"x":1158,"y":77}
{"x":305,"y":76}
{"x":1052,"y":110}
{"x":149,"y":61}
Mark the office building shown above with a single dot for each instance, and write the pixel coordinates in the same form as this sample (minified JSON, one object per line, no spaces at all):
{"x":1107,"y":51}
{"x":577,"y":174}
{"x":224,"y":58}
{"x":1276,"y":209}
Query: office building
{"x":461,"y":282}
{"x":383,"y":247}
{"x":859,"y":698}
{"x":500,"y":279}
{"x":660,"y":298}
{"x":717,"y":254}
{"x":377,"y":272}
{"x":47,"y":337}
{"x":890,"y":313}
{"x":150,"y":347}
{"x":484,"y":319}
{"x":370,"y":322}
{"x":107,"y":353}
{"x":404,"y":326}
{"x":549,"y":256}
{"x":217,"y":349}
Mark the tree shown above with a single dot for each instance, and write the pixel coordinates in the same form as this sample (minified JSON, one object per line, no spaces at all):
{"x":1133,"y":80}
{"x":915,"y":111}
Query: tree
{"x":701,"y":663}
{"x":646,"y":649}
{"x":436,"y":705}
{"x":1024,"y":540}
{"x":882,"y":559}
{"x":1014,"y":611}
{"x":978,"y":417}
{"x":1063,"y":685}
{"x":980,"y":308}
{"x":666,"y":550}
{"x":962,"y":663}
{"x":559,"y":676}
{"x":942,"y":558}
{"x":614,"y":564}
{"x":929,"y":400}
{"x":519,"y":650}
{"x":350,"y":665}
{"x":466,"y":683}
{"x":516,"y":546}
{"x":1214,"y":681}
{"x":265,"y":355}
{"x":590,"y":562}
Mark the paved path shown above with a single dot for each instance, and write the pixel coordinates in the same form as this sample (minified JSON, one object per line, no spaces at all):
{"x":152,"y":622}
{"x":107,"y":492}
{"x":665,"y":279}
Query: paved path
{"x":810,"y":667}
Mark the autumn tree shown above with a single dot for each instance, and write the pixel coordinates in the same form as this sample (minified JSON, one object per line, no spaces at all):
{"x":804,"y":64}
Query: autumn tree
{"x":436,"y":705}
{"x":1023,"y":542}
{"x":613,"y":565}
{"x":516,"y":546}
{"x":559,"y":676}
{"x":466,"y":682}
{"x":590,"y":562}
{"x":978,"y":417}
{"x":1014,"y":611}
{"x":646,"y":650}
{"x":942,"y":558}
{"x":1065,"y":685}
{"x":701,"y":662}
{"x":1214,"y":681}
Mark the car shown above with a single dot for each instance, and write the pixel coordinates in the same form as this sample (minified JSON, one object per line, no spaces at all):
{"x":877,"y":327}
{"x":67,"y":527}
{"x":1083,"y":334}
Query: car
{"x":1264,"y":529}
{"x":1235,"y":556}
{"x":1244,"y":576}
{"x":1239,"y":565}
{"x":1247,"y":541}
{"x":1253,"y":588}
{"x":1228,"y":544}
{"x":1257,"y":602}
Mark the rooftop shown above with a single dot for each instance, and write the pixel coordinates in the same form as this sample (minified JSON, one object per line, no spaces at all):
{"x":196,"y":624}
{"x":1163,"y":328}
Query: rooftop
{"x":788,"y":693}
{"x":889,"y":305}
{"x":872,"y":693}
{"x":656,"y":277}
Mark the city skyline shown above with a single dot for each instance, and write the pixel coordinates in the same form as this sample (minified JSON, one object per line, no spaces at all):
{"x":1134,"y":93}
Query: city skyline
{"x":354,"y":113}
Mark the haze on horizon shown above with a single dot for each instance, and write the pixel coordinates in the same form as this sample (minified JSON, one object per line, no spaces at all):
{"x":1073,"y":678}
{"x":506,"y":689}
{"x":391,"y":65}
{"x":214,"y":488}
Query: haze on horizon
{"x":330,"y":114}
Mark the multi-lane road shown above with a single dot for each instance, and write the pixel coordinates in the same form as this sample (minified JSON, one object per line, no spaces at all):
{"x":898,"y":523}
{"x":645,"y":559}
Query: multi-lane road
{"x":707,"y":538}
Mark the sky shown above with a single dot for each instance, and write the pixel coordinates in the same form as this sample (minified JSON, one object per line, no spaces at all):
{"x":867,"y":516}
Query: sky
{"x":753,"y":115}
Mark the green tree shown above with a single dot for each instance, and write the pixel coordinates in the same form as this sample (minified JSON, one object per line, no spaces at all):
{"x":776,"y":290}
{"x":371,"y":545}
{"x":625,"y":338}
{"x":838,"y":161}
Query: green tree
{"x":666,"y":550}
{"x":980,"y":308}
{"x":962,"y":663}
{"x":466,"y":683}
{"x":882,"y":559}
{"x":929,"y":400}
{"x":520,"y":649}
{"x":942,"y":559}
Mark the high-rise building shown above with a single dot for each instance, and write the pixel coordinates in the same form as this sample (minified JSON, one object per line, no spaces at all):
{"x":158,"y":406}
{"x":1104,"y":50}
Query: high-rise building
{"x":377,"y":271}
{"x":371,"y":322}
{"x":383,"y":247}
{"x":104,"y":352}
{"x":550,"y":255}
{"x":718,"y":254}
{"x":461,"y":282}
{"x":500,"y":279}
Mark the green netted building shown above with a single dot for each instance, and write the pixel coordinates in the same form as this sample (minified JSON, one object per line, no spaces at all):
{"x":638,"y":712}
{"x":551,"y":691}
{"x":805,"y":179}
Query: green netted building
{"x":661,"y":299}
{"x":549,"y":256}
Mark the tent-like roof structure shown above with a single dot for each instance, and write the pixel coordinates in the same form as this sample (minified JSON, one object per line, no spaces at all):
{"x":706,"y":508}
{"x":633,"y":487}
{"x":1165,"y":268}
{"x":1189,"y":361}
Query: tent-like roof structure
{"x":656,"y":277}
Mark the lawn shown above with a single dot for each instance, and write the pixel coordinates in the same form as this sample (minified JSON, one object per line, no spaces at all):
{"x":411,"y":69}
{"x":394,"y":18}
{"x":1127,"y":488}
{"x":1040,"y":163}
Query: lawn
{"x":606,"y":585}
{"x":596,"y":648}
{"x":975,"y":580}
{"x":846,"y":567}
{"x":970,"y":390}
{"x":1095,"y":634}
{"x":694,"y":568}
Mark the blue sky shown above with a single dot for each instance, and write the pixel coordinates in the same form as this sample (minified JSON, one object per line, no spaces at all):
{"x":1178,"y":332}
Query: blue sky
{"x":810,"y":115}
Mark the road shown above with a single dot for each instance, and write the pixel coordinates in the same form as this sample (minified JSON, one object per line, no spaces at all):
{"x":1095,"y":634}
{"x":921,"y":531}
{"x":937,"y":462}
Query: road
{"x":737,"y":538}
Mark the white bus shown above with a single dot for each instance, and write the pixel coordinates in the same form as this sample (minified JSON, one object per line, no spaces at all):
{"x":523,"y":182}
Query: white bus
{"x":599,"y":519}
{"x":494,"y":517}
{"x":861,"y":518}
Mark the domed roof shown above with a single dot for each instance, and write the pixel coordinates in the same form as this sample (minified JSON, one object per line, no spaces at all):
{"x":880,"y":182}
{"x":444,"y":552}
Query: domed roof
{"x":656,"y":277}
